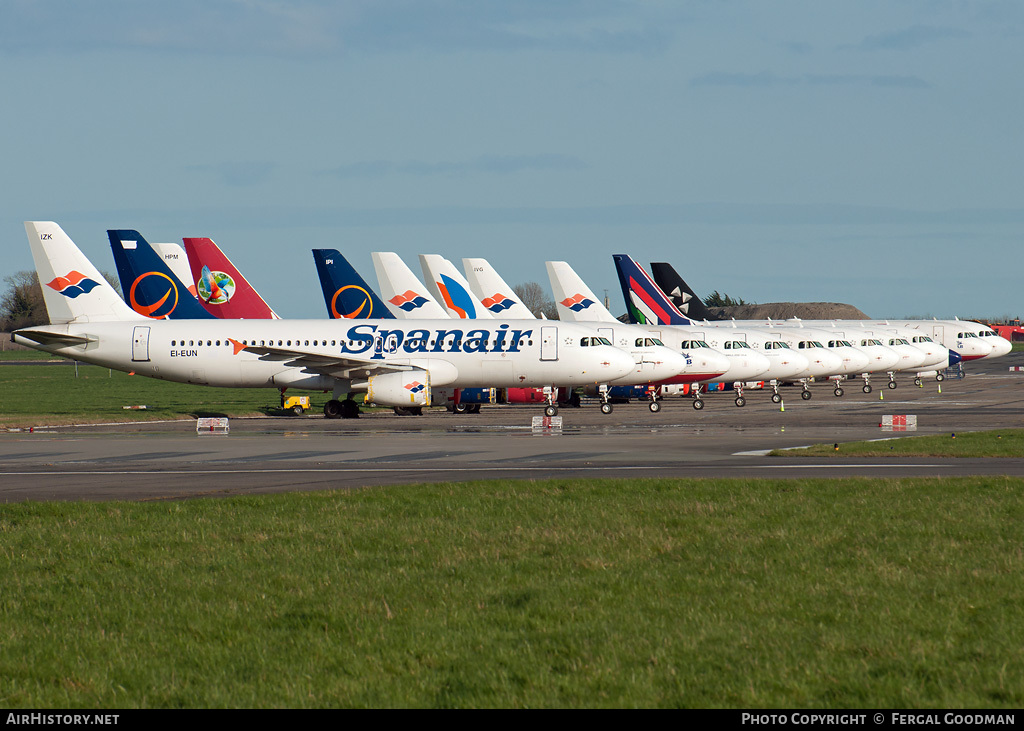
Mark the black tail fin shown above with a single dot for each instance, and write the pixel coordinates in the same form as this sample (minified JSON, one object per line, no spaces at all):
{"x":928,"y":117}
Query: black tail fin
{"x":684,"y":298}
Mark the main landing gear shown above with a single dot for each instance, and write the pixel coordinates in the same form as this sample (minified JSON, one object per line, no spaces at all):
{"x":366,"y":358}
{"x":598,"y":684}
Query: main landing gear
{"x":347,"y":409}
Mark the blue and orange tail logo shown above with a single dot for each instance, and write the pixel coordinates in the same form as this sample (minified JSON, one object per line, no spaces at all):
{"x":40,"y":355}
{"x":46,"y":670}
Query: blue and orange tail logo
{"x":414,"y":387}
{"x":456,"y":298}
{"x":72,"y":285}
{"x":498,"y":303}
{"x":577,"y":302}
{"x":408,"y":301}
{"x":153,"y":294}
{"x":355,"y":302}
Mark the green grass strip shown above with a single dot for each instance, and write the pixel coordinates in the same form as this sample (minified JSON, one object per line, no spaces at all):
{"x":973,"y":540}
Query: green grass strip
{"x":642,"y":593}
{"x":996,"y":443}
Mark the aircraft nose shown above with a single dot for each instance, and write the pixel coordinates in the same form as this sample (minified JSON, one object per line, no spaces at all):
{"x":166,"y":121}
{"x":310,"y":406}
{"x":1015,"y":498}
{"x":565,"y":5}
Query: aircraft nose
{"x":855,"y":360}
{"x":886,"y":358}
{"x":669,"y":363}
{"x":787,"y":364}
{"x":827,"y":361}
{"x":717,"y":362}
{"x":615,"y":363}
{"x":1000,"y":346}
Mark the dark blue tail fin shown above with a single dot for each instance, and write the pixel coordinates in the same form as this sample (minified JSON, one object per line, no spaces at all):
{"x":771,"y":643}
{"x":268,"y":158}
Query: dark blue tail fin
{"x":345,"y":292}
{"x":645,"y":303}
{"x":150,"y":287}
{"x":682,"y":296}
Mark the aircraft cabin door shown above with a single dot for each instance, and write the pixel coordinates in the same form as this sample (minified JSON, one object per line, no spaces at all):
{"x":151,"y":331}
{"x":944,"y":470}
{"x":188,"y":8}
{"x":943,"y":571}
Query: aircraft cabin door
{"x":549,"y":343}
{"x":140,"y":344}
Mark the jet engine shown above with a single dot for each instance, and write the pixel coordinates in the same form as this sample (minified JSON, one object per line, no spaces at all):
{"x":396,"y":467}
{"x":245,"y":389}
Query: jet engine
{"x":402,"y":388}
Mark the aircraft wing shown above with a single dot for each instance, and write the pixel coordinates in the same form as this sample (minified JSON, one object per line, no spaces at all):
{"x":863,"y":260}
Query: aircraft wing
{"x":336,"y":366}
{"x":51,"y":338}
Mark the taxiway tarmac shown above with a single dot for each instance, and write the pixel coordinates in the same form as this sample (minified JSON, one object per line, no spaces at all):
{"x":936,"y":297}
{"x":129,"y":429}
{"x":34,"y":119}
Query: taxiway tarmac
{"x":151,"y":461}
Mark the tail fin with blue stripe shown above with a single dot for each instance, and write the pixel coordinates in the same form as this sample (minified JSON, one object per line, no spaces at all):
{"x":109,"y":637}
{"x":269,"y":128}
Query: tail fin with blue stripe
{"x":150,"y":287}
{"x":346,"y":294}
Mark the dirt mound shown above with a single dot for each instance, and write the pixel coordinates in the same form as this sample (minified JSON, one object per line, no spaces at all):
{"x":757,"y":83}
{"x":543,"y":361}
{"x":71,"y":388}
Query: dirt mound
{"x":788,"y":310}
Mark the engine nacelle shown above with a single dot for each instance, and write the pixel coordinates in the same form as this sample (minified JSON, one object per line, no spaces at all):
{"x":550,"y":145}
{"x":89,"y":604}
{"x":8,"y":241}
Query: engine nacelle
{"x":402,"y":388}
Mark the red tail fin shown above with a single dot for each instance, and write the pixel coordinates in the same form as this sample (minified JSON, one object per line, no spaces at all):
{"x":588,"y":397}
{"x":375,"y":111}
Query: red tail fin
{"x":232,"y":297}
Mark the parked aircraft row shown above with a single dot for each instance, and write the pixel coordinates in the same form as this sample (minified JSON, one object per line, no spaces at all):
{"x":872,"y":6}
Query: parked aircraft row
{"x":192,"y":317}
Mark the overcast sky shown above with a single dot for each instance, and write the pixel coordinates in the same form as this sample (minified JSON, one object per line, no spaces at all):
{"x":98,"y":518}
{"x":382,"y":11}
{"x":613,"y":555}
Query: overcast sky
{"x":869,"y":153}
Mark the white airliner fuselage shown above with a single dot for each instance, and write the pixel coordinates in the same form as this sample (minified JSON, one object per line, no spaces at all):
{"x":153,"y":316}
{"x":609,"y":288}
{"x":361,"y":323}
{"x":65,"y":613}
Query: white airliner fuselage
{"x":317,"y":354}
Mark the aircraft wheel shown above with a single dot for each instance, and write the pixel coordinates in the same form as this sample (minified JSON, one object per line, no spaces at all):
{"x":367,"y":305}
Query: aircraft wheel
{"x":917,"y":381}
{"x":892,"y":384}
{"x":654,"y":406}
{"x":474,"y":409}
{"x":866,"y":389}
{"x":939,"y":377}
{"x":776,"y":398}
{"x":349,"y":409}
{"x":298,"y":410}
{"x":332,"y":409}
{"x":805,"y":395}
{"x":550,"y":411}
{"x":698,"y":404}
{"x":606,"y":408}
{"x":741,"y":402}
{"x":460,"y":408}
{"x":416,"y":411}
{"x":838,"y":392}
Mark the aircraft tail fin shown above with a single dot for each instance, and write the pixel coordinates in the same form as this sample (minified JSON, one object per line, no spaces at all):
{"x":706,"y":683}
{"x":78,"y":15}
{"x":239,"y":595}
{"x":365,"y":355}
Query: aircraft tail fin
{"x":150,"y":287}
{"x":176,"y":258}
{"x":220,"y":287}
{"x":404,"y":294}
{"x":346,"y":294}
{"x":645,"y":302}
{"x":574,"y":299}
{"x":493,"y":292}
{"x":73,"y":288}
{"x":681,"y":294}
{"x":448,"y":286}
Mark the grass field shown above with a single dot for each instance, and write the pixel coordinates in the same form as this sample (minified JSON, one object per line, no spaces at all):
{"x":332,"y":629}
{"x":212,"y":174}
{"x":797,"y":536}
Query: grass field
{"x":657,"y":593}
{"x":33,"y":395}
{"x":998,"y":443}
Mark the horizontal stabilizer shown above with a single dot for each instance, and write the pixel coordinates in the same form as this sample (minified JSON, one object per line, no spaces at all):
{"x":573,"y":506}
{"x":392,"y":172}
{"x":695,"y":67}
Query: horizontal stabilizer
{"x":49,"y":338}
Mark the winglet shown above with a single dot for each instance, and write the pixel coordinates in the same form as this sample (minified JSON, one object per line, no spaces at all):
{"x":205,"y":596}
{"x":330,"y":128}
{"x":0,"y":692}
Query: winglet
{"x":239,"y":347}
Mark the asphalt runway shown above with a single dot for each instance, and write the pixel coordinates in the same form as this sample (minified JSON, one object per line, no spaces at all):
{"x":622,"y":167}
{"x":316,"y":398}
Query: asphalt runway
{"x":278,"y":454}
